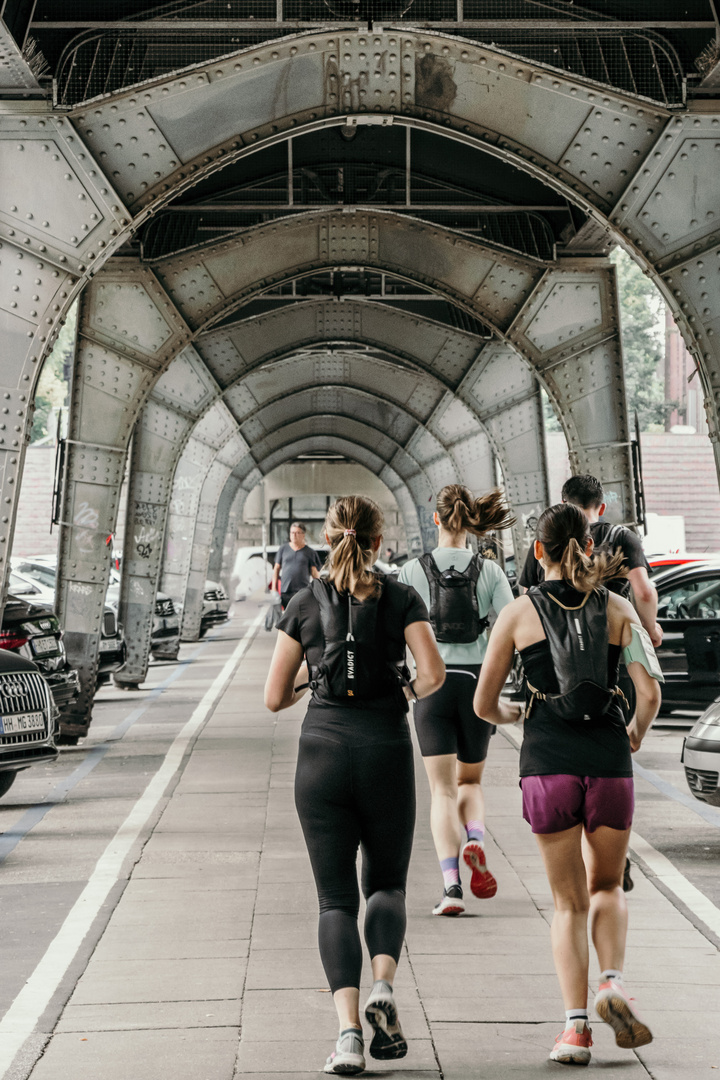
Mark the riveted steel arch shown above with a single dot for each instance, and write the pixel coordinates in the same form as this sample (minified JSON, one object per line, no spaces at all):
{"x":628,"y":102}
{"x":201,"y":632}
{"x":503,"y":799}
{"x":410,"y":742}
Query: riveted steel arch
{"x":480,"y":94}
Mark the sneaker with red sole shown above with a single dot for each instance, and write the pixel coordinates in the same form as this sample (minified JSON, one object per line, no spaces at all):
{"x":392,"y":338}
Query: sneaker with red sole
{"x":482,"y":883}
{"x":616,"y":1008}
{"x":572,"y":1046}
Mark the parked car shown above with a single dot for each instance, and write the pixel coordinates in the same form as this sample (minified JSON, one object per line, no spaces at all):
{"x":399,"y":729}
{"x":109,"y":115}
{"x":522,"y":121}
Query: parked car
{"x":248,"y":570}
{"x":701,"y":756}
{"x":32,"y":632}
{"x":112,"y":650}
{"x":689,"y":614}
{"x":27,"y":720}
{"x":658,"y":563}
{"x":165,"y":638}
{"x":216,"y":607}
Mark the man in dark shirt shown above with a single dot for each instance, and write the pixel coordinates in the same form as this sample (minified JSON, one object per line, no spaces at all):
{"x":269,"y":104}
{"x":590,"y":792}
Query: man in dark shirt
{"x":586,"y":492}
{"x":296,"y":564}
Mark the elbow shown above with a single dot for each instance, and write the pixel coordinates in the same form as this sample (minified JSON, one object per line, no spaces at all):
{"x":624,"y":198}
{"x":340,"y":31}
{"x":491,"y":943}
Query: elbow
{"x":653,"y":696}
{"x":438,"y":677}
{"x":273,"y":701}
{"x":483,"y":708}
{"x":645,"y":594}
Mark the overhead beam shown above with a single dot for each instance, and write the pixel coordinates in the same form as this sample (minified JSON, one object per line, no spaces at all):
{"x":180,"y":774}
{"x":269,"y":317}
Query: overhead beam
{"x":296,"y":24}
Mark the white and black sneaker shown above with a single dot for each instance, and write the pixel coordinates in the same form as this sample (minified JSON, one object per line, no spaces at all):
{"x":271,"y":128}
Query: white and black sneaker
{"x":348,"y":1058}
{"x":381,"y":1012}
{"x":452,"y":902}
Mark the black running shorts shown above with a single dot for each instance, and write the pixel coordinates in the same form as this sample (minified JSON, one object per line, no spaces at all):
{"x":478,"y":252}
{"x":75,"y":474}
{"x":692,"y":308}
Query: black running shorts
{"x":446,"y":722}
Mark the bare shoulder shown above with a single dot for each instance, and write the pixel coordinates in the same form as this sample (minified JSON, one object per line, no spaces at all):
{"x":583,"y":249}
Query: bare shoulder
{"x":513,"y":613}
{"x":620,"y":608}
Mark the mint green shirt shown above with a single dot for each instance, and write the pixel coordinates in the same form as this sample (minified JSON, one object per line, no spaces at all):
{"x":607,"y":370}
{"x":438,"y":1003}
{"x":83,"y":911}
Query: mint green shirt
{"x":493,"y":591}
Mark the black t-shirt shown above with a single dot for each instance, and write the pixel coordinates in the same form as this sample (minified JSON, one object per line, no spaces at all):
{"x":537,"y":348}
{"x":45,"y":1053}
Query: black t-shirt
{"x":295,"y":567}
{"x":552,"y":745}
{"x":399,"y":606}
{"x":624,"y":538}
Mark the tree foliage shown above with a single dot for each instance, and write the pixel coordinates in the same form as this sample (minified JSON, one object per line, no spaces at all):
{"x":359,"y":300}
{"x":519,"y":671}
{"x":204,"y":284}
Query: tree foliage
{"x":52,"y":389}
{"x":642,"y":321}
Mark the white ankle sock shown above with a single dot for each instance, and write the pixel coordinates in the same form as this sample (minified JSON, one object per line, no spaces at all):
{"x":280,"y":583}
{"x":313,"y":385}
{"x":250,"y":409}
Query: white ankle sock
{"x":572,"y":1015}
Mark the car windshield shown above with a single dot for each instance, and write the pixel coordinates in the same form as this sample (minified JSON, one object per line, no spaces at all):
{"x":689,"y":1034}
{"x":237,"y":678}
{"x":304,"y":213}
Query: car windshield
{"x":44,"y":574}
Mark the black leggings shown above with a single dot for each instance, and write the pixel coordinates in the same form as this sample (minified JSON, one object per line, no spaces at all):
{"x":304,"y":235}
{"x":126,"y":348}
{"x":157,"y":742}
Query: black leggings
{"x":355,"y":787}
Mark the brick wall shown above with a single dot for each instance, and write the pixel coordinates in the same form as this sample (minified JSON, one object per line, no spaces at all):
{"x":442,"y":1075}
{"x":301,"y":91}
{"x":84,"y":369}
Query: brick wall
{"x":32,"y":528}
{"x":680,"y":478}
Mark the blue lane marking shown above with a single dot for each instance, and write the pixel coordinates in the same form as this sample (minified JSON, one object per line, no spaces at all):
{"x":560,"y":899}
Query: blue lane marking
{"x":10,"y":839}
{"x":707,"y":813}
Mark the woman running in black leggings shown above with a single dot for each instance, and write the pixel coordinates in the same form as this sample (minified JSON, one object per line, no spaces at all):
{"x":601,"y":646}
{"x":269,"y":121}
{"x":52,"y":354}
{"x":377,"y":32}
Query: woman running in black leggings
{"x":575,"y":761}
{"x":354,"y":784}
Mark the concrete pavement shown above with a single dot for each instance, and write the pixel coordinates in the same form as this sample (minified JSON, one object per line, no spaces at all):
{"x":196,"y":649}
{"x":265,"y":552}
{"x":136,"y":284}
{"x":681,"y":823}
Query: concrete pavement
{"x":208,"y":967}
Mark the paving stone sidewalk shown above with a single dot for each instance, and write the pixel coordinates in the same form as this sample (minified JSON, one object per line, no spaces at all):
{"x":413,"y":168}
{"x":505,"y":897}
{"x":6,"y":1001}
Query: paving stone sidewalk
{"x":208,"y":968}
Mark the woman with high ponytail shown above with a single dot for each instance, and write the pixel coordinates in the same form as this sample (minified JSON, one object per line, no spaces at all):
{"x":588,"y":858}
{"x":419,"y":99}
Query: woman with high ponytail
{"x":575,"y":761}
{"x":460,"y":589}
{"x":354,"y":782}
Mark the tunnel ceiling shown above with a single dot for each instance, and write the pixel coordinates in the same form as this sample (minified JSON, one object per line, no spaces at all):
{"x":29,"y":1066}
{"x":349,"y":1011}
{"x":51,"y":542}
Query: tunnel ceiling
{"x":648,"y":47}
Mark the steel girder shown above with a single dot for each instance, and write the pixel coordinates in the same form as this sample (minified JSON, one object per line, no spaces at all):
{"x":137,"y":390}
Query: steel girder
{"x":561,"y":318}
{"x":222,"y":549}
{"x":646,"y":174}
{"x":126,"y":330}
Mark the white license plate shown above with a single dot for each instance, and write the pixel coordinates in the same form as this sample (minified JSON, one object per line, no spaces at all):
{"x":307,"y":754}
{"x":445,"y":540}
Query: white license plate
{"x":44,"y":645}
{"x":29,"y":721}
{"x":109,"y":645}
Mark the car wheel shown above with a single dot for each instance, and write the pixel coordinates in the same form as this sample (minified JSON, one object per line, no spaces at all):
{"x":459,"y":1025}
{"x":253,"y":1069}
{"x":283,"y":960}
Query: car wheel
{"x":7,"y":779}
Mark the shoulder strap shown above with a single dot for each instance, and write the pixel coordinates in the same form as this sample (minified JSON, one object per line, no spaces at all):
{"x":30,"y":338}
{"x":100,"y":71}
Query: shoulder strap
{"x":432,"y":571}
{"x":474,"y":568}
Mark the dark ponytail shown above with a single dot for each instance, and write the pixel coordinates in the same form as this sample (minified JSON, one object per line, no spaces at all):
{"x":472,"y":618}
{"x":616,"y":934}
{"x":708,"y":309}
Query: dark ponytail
{"x":564,"y":531}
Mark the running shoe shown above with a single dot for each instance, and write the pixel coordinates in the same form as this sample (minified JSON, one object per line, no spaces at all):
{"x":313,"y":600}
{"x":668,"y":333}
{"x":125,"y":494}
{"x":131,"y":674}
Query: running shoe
{"x":572,"y":1046}
{"x":482,"y":883}
{"x":380,"y":1011}
{"x":628,"y":883}
{"x":347,"y":1059}
{"x":613,"y":1005}
{"x":452,"y":902}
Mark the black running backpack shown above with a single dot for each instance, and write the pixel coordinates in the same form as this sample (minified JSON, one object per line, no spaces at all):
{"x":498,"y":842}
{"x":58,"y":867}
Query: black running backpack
{"x":454,"y":611}
{"x":355,"y":661}
{"x":578,"y":640}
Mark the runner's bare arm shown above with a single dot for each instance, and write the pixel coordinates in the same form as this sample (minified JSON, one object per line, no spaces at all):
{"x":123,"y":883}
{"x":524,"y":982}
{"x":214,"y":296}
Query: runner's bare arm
{"x":495,"y":670}
{"x":421,"y":642}
{"x":284,"y":667}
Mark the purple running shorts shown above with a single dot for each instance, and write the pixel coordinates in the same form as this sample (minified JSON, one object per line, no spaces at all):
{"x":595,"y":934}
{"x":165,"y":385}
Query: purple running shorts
{"x":554,"y":803}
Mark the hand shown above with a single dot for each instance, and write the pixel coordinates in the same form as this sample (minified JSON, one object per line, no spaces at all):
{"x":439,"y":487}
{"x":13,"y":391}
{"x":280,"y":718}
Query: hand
{"x":635,"y":739}
{"x":656,"y":636}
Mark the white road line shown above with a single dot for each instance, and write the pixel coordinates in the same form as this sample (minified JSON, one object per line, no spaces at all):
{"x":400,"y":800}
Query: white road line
{"x":23,"y":1015}
{"x":677,"y":883}
{"x":665,"y":871}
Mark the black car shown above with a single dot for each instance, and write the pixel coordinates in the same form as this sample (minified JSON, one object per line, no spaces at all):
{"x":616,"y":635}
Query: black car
{"x":27,"y":718}
{"x":33,"y":632}
{"x":36,"y":584}
{"x":689,"y":614}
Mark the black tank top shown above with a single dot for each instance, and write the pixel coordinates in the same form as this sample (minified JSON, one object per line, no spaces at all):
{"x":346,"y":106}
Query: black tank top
{"x":552,"y":745}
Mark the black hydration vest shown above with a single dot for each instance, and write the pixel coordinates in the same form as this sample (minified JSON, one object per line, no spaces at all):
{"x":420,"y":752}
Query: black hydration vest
{"x":355,"y":661}
{"x":578,"y":641}
{"x":454,"y":612}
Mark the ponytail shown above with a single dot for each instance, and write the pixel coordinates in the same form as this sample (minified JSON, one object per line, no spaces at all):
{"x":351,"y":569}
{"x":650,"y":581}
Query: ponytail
{"x":564,"y":531}
{"x":351,"y":525}
{"x":460,"y":511}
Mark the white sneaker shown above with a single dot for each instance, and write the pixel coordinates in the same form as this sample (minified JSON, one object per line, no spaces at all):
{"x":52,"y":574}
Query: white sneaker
{"x":348,"y":1058}
{"x":452,"y":902}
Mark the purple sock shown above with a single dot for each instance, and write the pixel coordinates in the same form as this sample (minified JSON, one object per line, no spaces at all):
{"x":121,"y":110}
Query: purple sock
{"x":475,"y":830}
{"x":450,"y":872}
